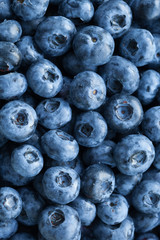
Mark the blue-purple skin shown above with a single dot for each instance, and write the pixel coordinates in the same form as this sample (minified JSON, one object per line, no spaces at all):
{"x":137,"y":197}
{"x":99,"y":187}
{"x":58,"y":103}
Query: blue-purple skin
{"x":134,"y":42}
{"x":28,"y":98}
{"x":73,"y":65}
{"x":54,"y":113}
{"x":146,"y":197}
{"x":5,"y":9}
{"x":85,"y":208}
{"x":37,"y":184}
{"x":147,"y":236}
{"x":29,"y":27}
{"x":12,"y":85}
{"x":114,"y":16}
{"x":29,"y":11}
{"x":90,"y":129}
{"x":27,"y":160}
{"x":98,"y":2}
{"x":32,"y":205}
{"x":123,"y":231}
{"x":28,"y":49}
{"x":152,"y":174}
{"x":8,"y":228}
{"x":87,"y":91}
{"x":156,"y":162}
{"x":59,"y":145}
{"x":61,"y":184}
{"x":134,"y":154}
{"x":156,"y":59}
{"x":145,"y":222}
{"x":68,"y":128}
{"x":10,"y":203}
{"x":3,"y":140}
{"x":125,"y":184}
{"x":98,"y":183}
{"x":120,"y":75}
{"x":23,"y":236}
{"x":93,"y":45}
{"x":64,"y":92}
{"x":150,"y":123}
{"x":10,"y":57}
{"x":82,"y":10}
{"x":148,"y":86}
{"x":10,"y":31}
{"x":114,"y":210}
{"x":55,"y":2}
{"x":59,"y":222}
{"x":18,"y":121}
{"x":44,"y":78}
{"x":54,"y":35}
{"x":101,"y":154}
{"x":123,"y":113}
{"x":35,"y":140}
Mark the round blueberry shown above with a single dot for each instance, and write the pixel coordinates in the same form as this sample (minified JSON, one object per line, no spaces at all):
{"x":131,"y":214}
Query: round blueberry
{"x":147,"y":236}
{"x":8,"y":228}
{"x":10,"y":31}
{"x":22,"y":236}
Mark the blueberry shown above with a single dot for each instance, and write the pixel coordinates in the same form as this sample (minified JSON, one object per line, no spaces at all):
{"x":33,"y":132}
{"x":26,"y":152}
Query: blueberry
{"x":37,"y":184}
{"x":8,"y":228}
{"x":93,"y":45}
{"x":156,"y":162}
{"x":146,"y":197}
{"x":30,"y":27}
{"x":114,"y":210}
{"x":77,"y":9}
{"x":28,"y":98}
{"x":120,"y":75}
{"x":134,"y":154}
{"x":18,"y":121}
{"x":64,"y":92}
{"x":98,"y":182}
{"x":44,"y":78}
{"x":59,"y":222}
{"x":54,"y":35}
{"x":22,"y":236}
{"x":147,"y":236}
{"x":3,"y":140}
{"x":5,"y":9}
{"x":149,"y":86}
{"x":10,"y":203}
{"x":156,"y":59}
{"x":87,"y":90}
{"x":114,"y":16}
{"x":59,"y":145}
{"x":123,"y":113}
{"x":10,"y":31}
{"x":55,"y":2}
{"x":138,"y":46}
{"x":61,"y":184}
{"x":10,"y":57}
{"x":12,"y":85}
{"x":29,"y":10}
{"x":152,"y":174}
{"x":54,"y":113}
{"x":90,"y":129}
{"x":85,"y":209}
{"x":101,"y":154}
{"x":32,"y":205}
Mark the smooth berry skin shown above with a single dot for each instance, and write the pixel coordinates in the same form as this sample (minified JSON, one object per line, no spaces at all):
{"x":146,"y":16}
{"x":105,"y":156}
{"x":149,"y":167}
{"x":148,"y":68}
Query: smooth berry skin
{"x":28,"y":49}
{"x":18,"y":121}
{"x":54,"y":113}
{"x":123,"y":113}
{"x":93,"y":45}
{"x":156,"y":162}
{"x":3,"y":140}
{"x":120,"y":75}
{"x":85,"y":208}
{"x":125,"y":184}
{"x":148,"y":86}
{"x":44,"y":78}
{"x":22,"y":236}
{"x":114,"y":210}
{"x":150,"y":124}
{"x":87,"y":91}
{"x":90,"y":129}
{"x":59,"y":222}
{"x":73,"y":65}
{"x":29,"y":11}
{"x":32,"y":204}
{"x":146,"y":197}
{"x":10,"y":57}
{"x":12,"y":85}
{"x":10,"y":31}
{"x":27,"y":160}
{"x":54,"y":35}
{"x":134,"y":154}
{"x":115,"y":17}
{"x":10,"y":203}
{"x":5,"y":10}
{"x":156,"y":59}
{"x":98,"y":182}
{"x":82,"y":10}
{"x":147,"y":236}
{"x":8,"y":228}
{"x":101,"y":154}
{"x":61,"y":184}
{"x":29,"y":27}
{"x":134,"y":42}
{"x":59,"y":145}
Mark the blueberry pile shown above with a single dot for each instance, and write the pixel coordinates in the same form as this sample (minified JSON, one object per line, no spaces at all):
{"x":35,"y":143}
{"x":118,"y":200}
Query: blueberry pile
{"x":80,"y":119}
